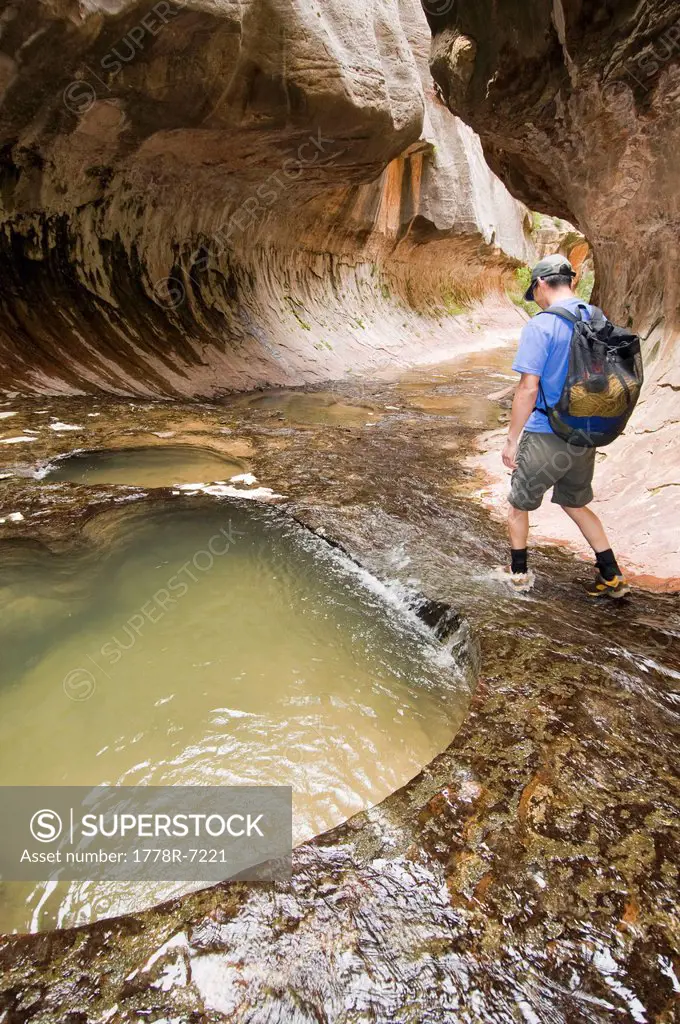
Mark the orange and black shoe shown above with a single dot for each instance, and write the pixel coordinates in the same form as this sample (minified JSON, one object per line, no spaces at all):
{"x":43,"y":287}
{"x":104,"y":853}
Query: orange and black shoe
{"x":616,"y":588}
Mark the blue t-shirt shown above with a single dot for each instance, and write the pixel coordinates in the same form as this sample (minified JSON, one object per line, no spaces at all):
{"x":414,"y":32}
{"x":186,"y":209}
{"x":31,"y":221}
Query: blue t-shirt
{"x":544,"y":350}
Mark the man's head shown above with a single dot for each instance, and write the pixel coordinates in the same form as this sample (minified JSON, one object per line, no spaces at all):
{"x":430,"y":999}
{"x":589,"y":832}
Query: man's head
{"x":550,"y":277}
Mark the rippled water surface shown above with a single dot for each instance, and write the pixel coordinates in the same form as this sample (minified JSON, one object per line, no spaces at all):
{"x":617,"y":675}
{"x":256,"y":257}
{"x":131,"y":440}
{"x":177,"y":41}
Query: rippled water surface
{"x":217,"y":644}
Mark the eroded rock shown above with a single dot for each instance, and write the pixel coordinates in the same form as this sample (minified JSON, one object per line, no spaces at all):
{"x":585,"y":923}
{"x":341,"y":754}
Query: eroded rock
{"x":207,"y":196}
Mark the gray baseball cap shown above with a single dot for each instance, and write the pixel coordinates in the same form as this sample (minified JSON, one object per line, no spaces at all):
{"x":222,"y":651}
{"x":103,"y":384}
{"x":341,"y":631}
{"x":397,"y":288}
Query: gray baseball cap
{"x":549,"y":266}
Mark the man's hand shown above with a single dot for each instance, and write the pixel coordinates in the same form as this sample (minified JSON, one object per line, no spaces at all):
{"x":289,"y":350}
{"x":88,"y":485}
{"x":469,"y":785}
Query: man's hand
{"x":510,"y":454}
{"x":522,"y":407}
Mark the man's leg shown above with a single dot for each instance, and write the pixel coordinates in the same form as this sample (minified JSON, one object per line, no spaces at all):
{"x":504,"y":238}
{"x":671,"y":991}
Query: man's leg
{"x":532,"y":476}
{"x":590,"y":526}
{"x":592,"y":529}
{"x":574,"y":492}
{"x":518,"y":530}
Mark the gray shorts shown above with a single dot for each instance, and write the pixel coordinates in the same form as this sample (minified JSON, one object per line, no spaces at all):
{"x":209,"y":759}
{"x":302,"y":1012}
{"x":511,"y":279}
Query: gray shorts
{"x":545,"y":461}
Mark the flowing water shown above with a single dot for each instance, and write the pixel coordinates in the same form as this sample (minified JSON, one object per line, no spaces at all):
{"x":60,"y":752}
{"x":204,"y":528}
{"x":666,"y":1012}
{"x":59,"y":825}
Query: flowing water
{"x":162,"y":466}
{"x":529,"y":873}
{"x":211,"y":644}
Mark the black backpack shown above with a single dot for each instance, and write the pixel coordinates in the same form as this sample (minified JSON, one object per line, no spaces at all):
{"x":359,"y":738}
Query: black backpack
{"x":603,"y":381}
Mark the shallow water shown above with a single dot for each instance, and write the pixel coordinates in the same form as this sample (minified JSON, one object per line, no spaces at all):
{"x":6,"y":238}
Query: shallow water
{"x":528,"y":874}
{"x":162,"y":466}
{"x":475,"y":410}
{"x":320,"y":408}
{"x":215,"y":645}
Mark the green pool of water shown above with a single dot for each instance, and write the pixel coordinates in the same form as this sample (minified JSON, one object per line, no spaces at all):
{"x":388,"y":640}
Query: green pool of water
{"x":162,"y":466}
{"x":216,"y":644}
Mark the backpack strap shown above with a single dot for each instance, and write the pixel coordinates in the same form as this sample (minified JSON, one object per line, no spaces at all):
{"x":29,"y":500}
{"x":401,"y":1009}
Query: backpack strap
{"x":596,"y":313}
{"x":566,"y":314}
{"x":546,"y":408}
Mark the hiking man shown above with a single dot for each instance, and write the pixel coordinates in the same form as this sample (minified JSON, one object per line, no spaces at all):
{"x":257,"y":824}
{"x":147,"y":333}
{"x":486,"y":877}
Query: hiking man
{"x":538,"y":457}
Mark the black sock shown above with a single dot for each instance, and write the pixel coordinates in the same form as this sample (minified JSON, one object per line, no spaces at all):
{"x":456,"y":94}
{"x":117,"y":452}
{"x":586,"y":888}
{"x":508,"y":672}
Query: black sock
{"x":607,"y":564}
{"x":519,"y":559}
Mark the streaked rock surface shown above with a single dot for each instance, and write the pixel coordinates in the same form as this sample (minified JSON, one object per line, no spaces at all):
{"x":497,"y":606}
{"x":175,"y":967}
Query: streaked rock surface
{"x":528,"y":873}
{"x":213,"y":196}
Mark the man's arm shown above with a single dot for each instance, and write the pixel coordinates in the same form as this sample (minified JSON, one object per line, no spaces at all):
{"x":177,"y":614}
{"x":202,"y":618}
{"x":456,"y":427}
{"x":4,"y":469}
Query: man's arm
{"x":522,"y":408}
{"x":530,"y":362}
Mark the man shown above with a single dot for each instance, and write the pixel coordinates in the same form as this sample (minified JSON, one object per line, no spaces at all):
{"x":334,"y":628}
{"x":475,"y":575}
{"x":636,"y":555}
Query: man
{"x":541,"y":459}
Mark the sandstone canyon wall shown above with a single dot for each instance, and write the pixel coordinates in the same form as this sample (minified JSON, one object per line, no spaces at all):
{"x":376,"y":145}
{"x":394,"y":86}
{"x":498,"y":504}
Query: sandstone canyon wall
{"x":210,"y":195}
{"x":578,"y":109}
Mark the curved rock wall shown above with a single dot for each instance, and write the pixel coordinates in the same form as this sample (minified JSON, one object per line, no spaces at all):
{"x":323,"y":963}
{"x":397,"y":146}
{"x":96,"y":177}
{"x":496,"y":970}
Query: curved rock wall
{"x":578,"y":106}
{"x":205,"y":196}
{"x":553,"y":235}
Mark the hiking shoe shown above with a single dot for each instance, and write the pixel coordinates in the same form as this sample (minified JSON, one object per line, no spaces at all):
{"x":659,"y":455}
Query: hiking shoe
{"x":518,"y":582}
{"x":521,"y":581}
{"x":616,"y":588}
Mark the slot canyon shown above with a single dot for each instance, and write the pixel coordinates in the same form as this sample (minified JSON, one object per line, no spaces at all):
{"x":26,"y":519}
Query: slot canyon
{"x":261,"y":276}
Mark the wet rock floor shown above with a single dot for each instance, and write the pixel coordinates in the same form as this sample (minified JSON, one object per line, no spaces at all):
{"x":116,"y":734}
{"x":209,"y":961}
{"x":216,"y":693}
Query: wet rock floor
{"x":528,"y":873}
